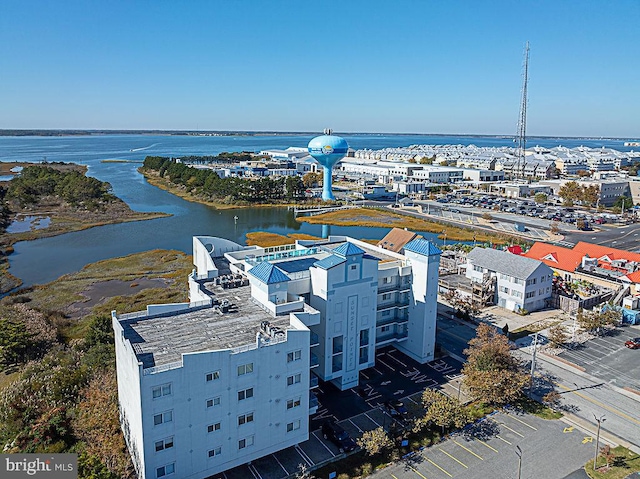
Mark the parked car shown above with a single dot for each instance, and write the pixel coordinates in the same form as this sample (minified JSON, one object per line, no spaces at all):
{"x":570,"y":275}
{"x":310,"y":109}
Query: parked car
{"x":633,"y":343}
{"x":396,"y":409}
{"x":334,"y":433}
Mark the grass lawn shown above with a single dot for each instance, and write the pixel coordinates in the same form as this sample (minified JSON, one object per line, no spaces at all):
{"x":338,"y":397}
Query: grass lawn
{"x":625,"y":463}
{"x":389,"y":219}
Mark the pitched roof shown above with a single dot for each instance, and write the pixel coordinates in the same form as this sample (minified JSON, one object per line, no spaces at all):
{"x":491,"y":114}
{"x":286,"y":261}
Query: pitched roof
{"x":598,"y":251}
{"x":329,"y":262}
{"x":633,"y":277}
{"x":268,"y":273}
{"x":423,"y":247}
{"x":503,"y":262}
{"x":396,"y":239}
{"x":554,"y":256}
{"x":348,"y":249}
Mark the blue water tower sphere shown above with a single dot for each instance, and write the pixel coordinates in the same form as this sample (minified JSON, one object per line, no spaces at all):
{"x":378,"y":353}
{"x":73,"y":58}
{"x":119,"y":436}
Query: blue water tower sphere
{"x":328,"y":150}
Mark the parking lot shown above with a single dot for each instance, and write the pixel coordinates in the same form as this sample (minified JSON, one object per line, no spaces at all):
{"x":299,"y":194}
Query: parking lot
{"x":608,"y":359}
{"x":550,"y":449}
{"x":395,"y":376}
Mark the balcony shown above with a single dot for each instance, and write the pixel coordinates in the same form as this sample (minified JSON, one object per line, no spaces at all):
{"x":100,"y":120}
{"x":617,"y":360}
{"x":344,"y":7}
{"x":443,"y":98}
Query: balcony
{"x":385,"y":287}
{"x":313,"y":361}
{"x":314,"y":340}
{"x":402,"y":303}
{"x":391,"y":337}
{"x":313,"y":381}
{"x":392,"y":319}
{"x":313,"y":401}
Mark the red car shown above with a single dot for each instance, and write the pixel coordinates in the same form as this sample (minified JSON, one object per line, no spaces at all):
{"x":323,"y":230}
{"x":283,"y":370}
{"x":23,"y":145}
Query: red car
{"x":633,"y":343}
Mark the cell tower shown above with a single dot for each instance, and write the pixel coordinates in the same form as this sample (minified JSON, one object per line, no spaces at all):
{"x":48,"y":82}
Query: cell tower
{"x":521,"y":137}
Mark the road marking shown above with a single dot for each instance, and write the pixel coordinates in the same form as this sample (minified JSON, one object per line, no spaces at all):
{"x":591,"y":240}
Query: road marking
{"x":390,"y":367}
{"x":567,"y":429}
{"x":303,"y":455}
{"x":355,"y":425}
{"x":254,"y":471}
{"x":512,"y":430}
{"x":394,"y":477}
{"x":437,"y":466}
{"x":587,"y":439}
{"x":367,"y":377}
{"x":522,"y":422}
{"x":503,"y":440}
{"x":322,"y":442}
{"x":396,"y":360}
{"x":468,"y":450}
{"x":377,"y":371}
{"x":459,"y":462}
{"x":598,"y":403}
{"x":418,"y":473}
{"x":482,"y":442}
{"x":372,"y":420}
{"x":283,"y":468}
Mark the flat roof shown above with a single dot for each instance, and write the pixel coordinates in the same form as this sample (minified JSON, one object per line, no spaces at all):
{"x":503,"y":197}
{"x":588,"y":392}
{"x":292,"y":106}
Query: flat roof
{"x":163,"y":340}
{"x":296,"y":265}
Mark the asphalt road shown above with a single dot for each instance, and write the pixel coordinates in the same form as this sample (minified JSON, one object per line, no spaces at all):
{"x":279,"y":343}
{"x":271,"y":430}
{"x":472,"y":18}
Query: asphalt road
{"x":550,"y":450}
{"x":620,"y":237}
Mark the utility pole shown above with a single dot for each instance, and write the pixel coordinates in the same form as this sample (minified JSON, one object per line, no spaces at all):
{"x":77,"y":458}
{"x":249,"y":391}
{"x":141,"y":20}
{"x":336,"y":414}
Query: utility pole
{"x":519,"y":454}
{"x":599,"y":420}
{"x":521,"y":137}
{"x":533,"y":360}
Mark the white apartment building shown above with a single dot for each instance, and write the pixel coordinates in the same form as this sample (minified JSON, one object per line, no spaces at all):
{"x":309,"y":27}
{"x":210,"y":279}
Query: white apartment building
{"x":227,"y":378}
{"x":521,"y":283}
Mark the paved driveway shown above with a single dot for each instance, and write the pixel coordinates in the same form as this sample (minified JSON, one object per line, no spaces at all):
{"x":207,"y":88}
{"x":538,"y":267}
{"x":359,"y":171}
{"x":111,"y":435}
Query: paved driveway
{"x":550,"y":450}
{"x":608,"y":359}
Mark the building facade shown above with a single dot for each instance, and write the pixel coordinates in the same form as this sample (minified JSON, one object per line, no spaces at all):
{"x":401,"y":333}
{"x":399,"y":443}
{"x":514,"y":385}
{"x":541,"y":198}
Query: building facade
{"x":228,"y":378}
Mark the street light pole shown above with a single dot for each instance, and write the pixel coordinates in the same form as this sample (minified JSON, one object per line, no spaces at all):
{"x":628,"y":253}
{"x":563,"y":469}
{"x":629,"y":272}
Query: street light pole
{"x":519,"y":454}
{"x":533,"y":360}
{"x":599,"y":420}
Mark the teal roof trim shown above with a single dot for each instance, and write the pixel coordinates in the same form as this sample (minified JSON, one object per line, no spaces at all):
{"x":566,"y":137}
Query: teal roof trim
{"x":268,"y":273}
{"x":423,"y":247}
{"x":348,"y":249}
{"x":329,"y":262}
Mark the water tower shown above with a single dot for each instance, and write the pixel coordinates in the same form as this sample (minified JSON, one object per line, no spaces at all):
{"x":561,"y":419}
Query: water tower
{"x":328,"y":150}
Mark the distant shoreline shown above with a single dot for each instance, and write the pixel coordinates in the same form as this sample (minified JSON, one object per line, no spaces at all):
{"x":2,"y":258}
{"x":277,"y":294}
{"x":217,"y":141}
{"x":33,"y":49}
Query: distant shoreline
{"x":59,"y":133}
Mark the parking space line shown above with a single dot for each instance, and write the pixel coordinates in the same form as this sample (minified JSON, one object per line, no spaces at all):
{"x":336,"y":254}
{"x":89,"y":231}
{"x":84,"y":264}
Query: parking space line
{"x":512,"y":430}
{"x":485,"y":444}
{"x":459,"y":462}
{"x":396,"y":359}
{"x":382,"y":362}
{"x":413,"y":400}
{"x":503,"y":440}
{"x":356,"y":426}
{"x":468,"y":450}
{"x":372,"y":420}
{"x":254,"y":471}
{"x":418,"y":472}
{"x":394,"y":477}
{"x":325,"y":446}
{"x":303,"y":455}
{"x":522,"y":422}
{"x":283,"y":468}
{"x":377,"y":371}
{"x":437,"y":466}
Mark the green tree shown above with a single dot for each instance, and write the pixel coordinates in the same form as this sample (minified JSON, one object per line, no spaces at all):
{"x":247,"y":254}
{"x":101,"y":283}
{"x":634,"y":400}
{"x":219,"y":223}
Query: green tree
{"x":623,"y":202}
{"x":540,"y":198}
{"x":590,"y":195}
{"x":492,"y":374}
{"x":15,"y":342}
{"x":375,"y":441}
{"x":443,"y":411}
{"x":570,"y":192}
{"x":312,"y":180}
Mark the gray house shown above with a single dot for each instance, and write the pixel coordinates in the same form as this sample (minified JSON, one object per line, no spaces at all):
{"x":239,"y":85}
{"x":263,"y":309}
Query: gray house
{"x":520,"y":283}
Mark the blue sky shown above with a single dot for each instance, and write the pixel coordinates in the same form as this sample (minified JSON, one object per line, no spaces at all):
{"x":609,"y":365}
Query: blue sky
{"x":356,"y":66}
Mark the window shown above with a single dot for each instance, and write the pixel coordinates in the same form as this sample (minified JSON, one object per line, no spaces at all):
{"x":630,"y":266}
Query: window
{"x":295,"y":379}
{"x":364,"y":337}
{"x":166,"y":470}
{"x":337,"y":344}
{"x":541,"y":291}
{"x":386,"y":296}
{"x":530,"y":294}
{"x":292,"y":426}
{"x":164,"y":444}
{"x":477,"y":268}
{"x":245,"y":394}
{"x":163,"y":417}
{"x":245,"y":369}
{"x":504,"y":289}
{"x":364,"y":355}
{"x":246,"y":442}
{"x":543,"y":279}
{"x":385,"y":329}
{"x":213,"y":376}
{"x":159,"y":391}
{"x":531,"y":281}
{"x":213,"y":427}
{"x":215,"y":452}
{"x":245,"y":418}
{"x":386,"y":280}
{"x":294,"y":356}
{"x":213,"y":402}
{"x":386,"y":312}
{"x":353,"y":267}
{"x":516,"y":294}
{"x":293,"y":403}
